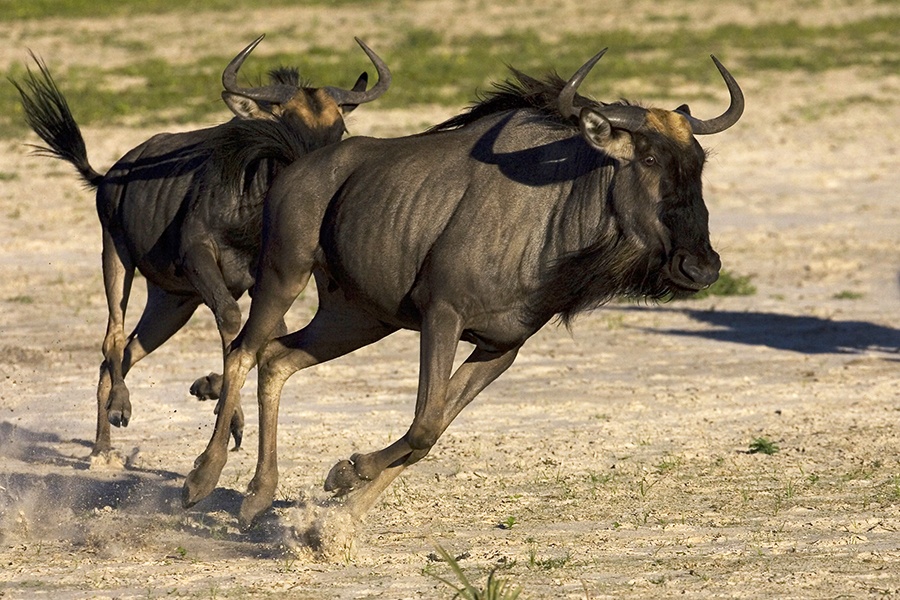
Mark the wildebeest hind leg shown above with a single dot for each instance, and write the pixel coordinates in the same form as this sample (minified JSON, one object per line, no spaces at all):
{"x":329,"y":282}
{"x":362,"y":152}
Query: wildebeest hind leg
{"x":164,"y":315}
{"x":118,"y":275}
{"x":334,"y":331}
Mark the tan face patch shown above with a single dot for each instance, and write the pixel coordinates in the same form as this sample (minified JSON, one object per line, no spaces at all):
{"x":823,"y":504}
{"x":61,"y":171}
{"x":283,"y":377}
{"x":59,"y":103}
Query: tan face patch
{"x":326,"y":116}
{"x":671,"y":124}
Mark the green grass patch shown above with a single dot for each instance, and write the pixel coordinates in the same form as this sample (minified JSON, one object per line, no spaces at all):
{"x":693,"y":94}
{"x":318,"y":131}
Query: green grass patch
{"x":848,"y":295}
{"x":431,"y":67}
{"x":15,"y":10}
{"x":763,"y":445}
{"x":729,"y":284}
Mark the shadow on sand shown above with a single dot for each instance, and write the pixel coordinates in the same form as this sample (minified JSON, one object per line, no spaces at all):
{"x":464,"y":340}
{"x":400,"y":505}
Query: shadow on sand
{"x":805,"y":334}
{"x":48,"y":485}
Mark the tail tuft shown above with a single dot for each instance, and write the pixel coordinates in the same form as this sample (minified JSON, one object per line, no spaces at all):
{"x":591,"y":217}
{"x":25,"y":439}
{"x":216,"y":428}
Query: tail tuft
{"x":48,"y":114}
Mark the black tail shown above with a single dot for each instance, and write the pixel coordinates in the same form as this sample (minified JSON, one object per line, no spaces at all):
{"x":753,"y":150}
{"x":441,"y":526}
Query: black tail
{"x":48,"y":114}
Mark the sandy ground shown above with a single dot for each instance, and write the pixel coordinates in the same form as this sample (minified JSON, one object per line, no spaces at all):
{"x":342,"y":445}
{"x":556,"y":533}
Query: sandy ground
{"x":611,"y":461}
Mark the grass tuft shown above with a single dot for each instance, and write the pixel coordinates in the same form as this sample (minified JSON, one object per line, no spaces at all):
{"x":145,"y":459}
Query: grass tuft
{"x":763,"y":445}
{"x":494,"y":588}
{"x":728,"y":284}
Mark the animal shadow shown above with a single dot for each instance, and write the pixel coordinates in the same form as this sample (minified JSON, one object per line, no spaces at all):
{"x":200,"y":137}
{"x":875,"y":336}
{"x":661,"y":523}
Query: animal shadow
{"x":49,"y":494}
{"x":794,"y":333}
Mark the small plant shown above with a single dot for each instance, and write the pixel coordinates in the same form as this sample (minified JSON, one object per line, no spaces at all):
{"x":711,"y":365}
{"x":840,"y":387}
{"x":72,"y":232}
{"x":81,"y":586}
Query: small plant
{"x":763,"y":445}
{"x":728,"y":284}
{"x":666,"y":465}
{"x":550,"y":563}
{"x":508,"y":522}
{"x":599,"y":478}
{"x":494,"y":588}
{"x":894,"y":490}
{"x":848,"y":295}
{"x":181,"y":551}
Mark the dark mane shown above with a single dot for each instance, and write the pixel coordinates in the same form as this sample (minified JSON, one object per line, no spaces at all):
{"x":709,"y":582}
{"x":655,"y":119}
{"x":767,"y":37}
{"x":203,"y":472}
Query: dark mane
{"x":614,"y":266}
{"x":519,"y":91}
{"x":287,"y":76}
{"x":238,"y":147}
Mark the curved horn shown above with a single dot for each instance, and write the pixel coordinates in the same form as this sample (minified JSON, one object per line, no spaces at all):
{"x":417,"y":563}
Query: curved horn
{"x":275,"y":94}
{"x":352,"y":97}
{"x":622,"y":116}
{"x":567,"y":94}
{"x":726,"y":119}
{"x":229,"y":75}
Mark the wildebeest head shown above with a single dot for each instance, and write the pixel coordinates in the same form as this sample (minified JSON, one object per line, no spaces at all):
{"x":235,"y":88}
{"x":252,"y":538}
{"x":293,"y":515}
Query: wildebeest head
{"x":657,"y":192}
{"x":319,"y":110}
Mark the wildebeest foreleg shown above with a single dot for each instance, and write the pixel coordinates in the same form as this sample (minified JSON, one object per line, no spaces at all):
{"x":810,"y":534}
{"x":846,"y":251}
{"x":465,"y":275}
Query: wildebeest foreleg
{"x":438,"y":341}
{"x":440,"y":399}
{"x":203,"y":271}
{"x":330,"y":334}
{"x":208,"y":466}
{"x":480,"y":369}
{"x":266,"y":313}
{"x":164,"y":314}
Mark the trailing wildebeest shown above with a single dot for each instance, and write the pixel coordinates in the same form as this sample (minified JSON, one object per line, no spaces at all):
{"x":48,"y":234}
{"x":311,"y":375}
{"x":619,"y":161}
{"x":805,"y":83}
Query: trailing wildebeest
{"x":536,"y":203}
{"x":165,"y":212}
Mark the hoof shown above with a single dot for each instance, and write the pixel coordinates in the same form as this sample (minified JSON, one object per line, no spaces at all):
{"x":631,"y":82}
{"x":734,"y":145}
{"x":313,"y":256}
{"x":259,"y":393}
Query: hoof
{"x":118,"y":418}
{"x":118,"y":409}
{"x":342,"y":478}
{"x":207,"y":388}
{"x":252,"y":506}
{"x":201,"y":481}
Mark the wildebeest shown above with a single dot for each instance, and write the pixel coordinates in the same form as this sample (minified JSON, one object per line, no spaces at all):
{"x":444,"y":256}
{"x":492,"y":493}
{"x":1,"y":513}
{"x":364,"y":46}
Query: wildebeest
{"x":536,"y":203}
{"x":164,"y":211}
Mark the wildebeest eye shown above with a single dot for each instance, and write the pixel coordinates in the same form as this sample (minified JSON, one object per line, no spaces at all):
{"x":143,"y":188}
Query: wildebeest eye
{"x":650,"y":161}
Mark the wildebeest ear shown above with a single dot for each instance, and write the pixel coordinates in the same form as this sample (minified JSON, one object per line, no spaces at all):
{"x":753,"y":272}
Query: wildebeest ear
{"x":247,"y":108}
{"x":595,"y":128}
{"x":359,"y":86}
{"x":683,"y":109}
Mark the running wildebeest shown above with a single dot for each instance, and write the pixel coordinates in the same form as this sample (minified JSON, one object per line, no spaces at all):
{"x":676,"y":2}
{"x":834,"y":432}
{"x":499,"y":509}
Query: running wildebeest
{"x":536,"y":203}
{"x":164,"y":211}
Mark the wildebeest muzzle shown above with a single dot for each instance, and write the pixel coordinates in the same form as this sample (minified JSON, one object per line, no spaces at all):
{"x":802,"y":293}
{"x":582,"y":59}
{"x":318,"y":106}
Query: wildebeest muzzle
{"x":691,"y":272}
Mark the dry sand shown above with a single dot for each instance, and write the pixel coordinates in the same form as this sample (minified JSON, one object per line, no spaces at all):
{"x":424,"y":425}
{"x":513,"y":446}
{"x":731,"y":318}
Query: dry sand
{"x":618,"y":450}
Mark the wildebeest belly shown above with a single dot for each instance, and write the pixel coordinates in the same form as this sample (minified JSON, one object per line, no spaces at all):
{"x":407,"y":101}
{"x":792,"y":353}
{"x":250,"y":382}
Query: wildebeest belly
{"x":456,"y":240}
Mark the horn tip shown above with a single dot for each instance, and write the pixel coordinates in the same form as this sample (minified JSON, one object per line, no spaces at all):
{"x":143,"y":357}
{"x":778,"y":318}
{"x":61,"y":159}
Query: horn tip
{"x":256,"y":42}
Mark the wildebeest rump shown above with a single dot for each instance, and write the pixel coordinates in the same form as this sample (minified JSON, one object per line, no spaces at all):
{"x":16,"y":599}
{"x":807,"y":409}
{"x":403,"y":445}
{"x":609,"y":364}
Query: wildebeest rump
{"x":164,"y":211}
{"x":536,"y":203}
